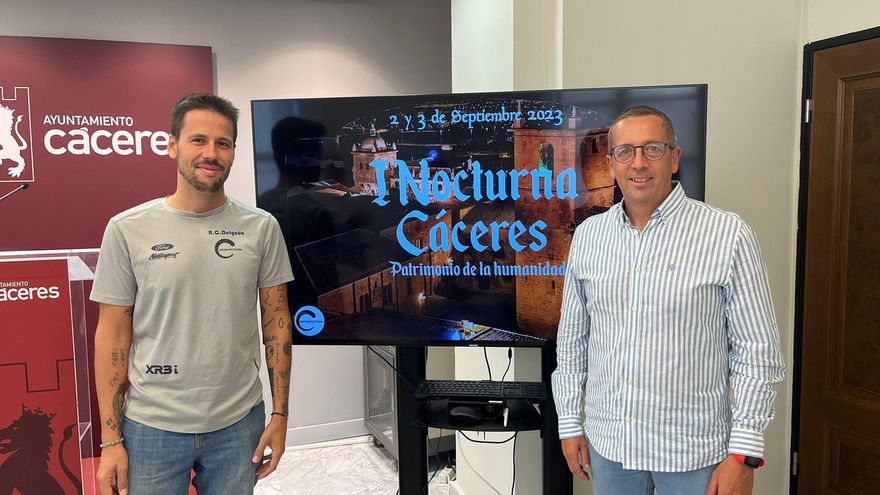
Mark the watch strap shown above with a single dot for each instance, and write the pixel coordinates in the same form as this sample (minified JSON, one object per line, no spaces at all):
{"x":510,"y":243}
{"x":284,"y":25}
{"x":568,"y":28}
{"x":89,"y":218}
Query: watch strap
{"x":752,"y":462}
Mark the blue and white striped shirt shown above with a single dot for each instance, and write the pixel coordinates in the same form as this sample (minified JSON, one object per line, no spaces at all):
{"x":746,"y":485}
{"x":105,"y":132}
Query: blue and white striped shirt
{"x":658,"y":328}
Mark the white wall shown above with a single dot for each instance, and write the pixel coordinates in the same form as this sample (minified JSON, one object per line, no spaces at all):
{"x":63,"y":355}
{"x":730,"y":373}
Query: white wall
{"x":829,"y":18}
{"x":279,"y":49}
{"x":482,"y":45}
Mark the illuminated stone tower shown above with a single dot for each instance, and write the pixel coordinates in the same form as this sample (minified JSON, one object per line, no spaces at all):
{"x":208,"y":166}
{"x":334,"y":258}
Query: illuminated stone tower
{"x":371,"y":148}
{"x":538,"y":298}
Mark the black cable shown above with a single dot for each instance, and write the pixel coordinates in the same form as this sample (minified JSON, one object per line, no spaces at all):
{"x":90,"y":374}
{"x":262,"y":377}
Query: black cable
{"x":513,"y":483}
{"x":486,"y":356}
{"x":486,"y":441}
{"x":437,"y":457}
{"x":509,"y":359}
{"x":476,"y":472}
{"x":503,"y":399}
{"x":437,"y":451}
{"x":405,"y":379}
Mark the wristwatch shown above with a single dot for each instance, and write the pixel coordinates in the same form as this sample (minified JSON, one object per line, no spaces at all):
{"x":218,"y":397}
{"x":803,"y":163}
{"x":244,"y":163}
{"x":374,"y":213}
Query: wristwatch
{"x":752,"y":462}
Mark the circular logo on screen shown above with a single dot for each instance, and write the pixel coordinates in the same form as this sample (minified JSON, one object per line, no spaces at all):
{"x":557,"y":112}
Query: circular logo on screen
{"x":309,"y":321}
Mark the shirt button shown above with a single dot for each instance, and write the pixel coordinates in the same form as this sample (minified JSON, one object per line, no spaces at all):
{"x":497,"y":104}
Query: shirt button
{"x":630,"y":381}
{"x":634,"y":308}
{"x":638,"y":268}
{"x":627,"y":419}
{"x":636,"y":233}
{"x":632,"y":343}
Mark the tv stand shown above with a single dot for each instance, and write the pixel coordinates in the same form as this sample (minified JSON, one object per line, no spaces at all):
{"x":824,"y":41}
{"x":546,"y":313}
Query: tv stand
{"x":414,"y":417}
{"x":521,"y":416}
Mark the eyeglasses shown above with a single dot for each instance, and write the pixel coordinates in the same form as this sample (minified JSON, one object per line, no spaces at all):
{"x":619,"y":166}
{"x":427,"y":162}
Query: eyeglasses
{"x":625,"y":153}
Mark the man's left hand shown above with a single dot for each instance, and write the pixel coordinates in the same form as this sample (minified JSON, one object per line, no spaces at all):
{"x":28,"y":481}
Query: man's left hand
{"x":273,"y":437}
{"x":731,"y":477}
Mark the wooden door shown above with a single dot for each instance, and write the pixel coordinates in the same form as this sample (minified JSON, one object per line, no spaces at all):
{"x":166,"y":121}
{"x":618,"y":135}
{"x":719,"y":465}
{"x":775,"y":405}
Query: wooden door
{"x":839,"y":440}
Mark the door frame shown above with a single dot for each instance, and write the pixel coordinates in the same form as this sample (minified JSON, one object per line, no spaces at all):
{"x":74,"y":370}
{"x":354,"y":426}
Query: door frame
{"x":803,"y":191}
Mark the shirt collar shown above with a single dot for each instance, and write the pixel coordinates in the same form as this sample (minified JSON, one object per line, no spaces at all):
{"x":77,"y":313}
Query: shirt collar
{"x":667,"y":208}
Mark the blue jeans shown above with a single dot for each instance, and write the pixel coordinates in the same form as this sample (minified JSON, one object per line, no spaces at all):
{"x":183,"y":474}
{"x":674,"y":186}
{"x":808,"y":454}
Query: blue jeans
{"x":609,"y":478}
{"x":161,"y":462}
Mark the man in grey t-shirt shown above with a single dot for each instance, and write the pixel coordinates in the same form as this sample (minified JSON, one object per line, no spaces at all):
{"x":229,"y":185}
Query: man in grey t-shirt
{"x":177,"y":347}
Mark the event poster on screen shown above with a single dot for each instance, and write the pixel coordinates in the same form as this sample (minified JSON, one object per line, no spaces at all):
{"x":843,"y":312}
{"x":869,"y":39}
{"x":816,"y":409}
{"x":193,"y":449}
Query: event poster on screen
{"x":445,"y":219}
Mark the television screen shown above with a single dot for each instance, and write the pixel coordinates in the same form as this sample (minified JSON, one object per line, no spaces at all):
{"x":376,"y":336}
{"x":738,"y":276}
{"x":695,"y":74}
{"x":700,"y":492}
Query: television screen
{"x":445,"y":219}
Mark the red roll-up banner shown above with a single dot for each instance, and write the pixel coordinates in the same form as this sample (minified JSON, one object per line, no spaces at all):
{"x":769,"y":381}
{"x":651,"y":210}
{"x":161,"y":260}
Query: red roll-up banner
{"x":39,"y":435}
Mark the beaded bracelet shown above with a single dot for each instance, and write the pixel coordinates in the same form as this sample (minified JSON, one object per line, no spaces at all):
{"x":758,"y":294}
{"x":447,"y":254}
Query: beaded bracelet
{"x":112,"y":442}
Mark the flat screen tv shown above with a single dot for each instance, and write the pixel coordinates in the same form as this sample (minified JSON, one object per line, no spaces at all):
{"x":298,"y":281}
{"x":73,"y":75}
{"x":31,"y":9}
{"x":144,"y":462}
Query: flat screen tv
{"x":445,"y":219}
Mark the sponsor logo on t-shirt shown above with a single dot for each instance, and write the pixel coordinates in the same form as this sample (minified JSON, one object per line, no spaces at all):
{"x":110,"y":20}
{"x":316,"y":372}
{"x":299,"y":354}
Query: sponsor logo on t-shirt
{"x":162,"y":247}
{"x":225,"y":248}
{"x":226,"y":233}
{"x":163,"y":256}
{"x":161,"y":369}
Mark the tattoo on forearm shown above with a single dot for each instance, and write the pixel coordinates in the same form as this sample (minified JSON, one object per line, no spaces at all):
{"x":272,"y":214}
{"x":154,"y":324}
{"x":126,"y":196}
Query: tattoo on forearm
{"x":279,"y":381}
{"x":283,"y":382}
{"x":118,"y":401}
{"x":271,"y":370}
{"x":129,"y":311}
{"x":119,"y":357}
{"x":112,"y":424}
{"x":275,"y":346}
{"x":277,"y":328}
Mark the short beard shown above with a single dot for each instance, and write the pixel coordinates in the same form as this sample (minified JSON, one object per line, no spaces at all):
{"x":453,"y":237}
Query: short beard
{"x":200,"y":186}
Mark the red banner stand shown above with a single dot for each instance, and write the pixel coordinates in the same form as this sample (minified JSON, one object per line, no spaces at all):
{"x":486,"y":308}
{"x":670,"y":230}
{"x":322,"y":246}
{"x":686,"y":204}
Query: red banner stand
{"x":46,"y":434}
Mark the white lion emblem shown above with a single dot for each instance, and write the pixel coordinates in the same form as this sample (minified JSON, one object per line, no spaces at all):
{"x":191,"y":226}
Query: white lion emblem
{"x":10,"y":149}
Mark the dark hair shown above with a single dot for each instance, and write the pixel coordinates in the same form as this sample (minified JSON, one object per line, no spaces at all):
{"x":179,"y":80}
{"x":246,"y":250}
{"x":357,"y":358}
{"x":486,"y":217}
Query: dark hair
{"x":643,"y":111}
{"x":203,"y":101}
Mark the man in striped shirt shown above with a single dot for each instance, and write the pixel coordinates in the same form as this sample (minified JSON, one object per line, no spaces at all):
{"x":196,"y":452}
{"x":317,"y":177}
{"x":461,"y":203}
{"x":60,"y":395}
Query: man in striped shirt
{"x":667,"y":334}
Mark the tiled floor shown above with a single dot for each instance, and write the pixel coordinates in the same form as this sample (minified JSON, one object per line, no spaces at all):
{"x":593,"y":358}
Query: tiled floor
{"x":353,"y":468}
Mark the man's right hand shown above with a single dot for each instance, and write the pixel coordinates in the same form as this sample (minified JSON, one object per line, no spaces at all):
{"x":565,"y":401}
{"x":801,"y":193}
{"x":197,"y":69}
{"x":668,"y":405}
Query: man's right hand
{"x":113,"y":471}
{"x":577,"y":455}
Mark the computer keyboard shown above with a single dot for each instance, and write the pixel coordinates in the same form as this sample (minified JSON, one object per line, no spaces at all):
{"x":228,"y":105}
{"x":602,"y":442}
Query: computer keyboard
{"x":481,"y":389}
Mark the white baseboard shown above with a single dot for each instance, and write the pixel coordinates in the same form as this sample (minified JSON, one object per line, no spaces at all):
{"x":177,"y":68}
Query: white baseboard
{"x":325,"y":432}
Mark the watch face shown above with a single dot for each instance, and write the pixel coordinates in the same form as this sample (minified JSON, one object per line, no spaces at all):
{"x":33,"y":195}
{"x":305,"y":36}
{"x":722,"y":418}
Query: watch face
{"x":754,"y":462}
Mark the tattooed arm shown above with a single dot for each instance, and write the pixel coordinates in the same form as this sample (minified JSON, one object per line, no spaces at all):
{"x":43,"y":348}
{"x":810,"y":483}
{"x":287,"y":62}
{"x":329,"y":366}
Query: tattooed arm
{"x":276,"y":324}
{"x":112,"y":343}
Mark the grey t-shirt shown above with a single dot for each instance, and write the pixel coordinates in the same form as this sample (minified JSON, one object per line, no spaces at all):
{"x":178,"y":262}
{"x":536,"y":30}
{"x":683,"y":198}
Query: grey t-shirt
{"x":193,"y":279}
